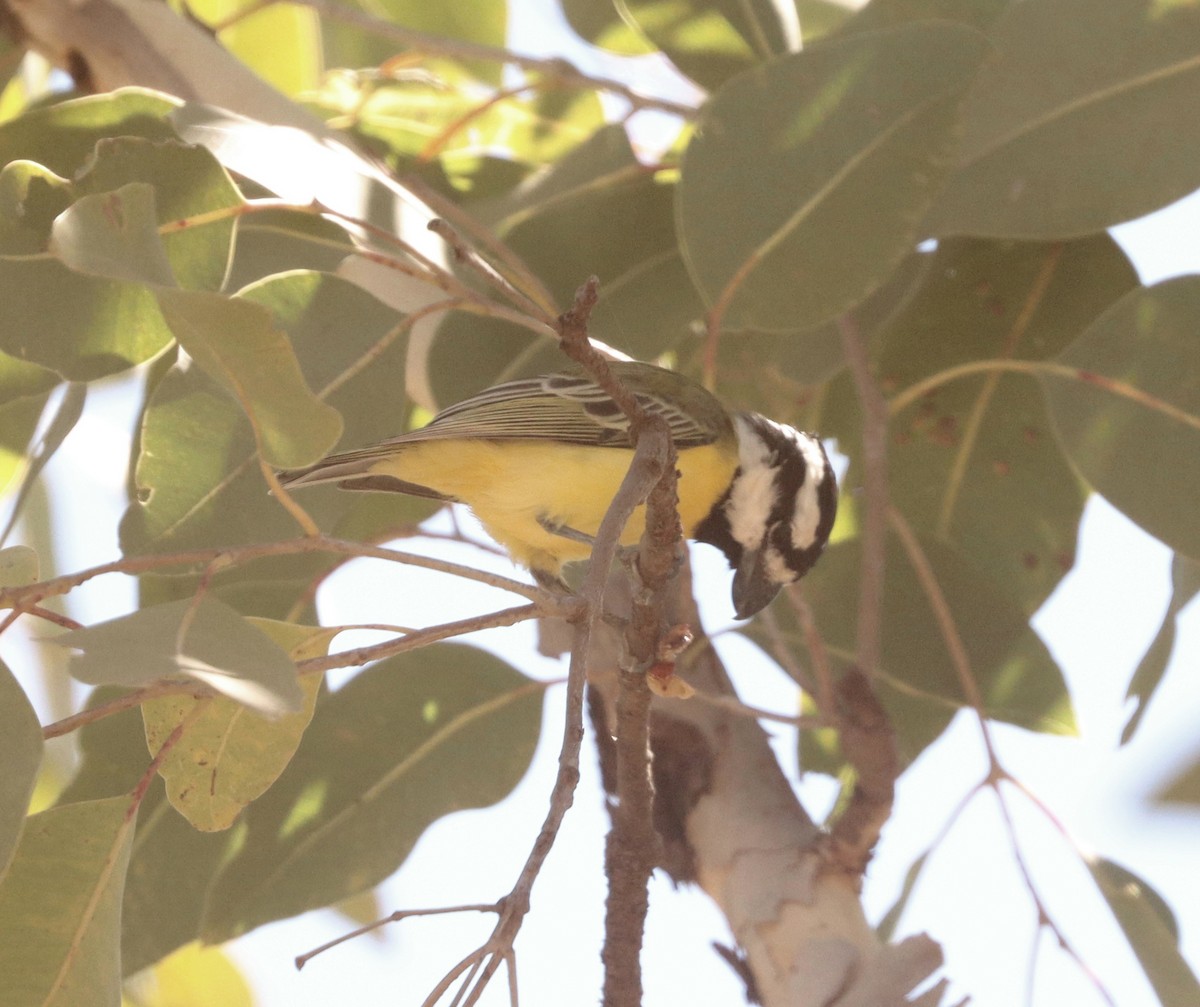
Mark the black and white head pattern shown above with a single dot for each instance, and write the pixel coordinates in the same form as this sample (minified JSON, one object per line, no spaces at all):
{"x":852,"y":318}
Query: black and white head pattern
{"x":781,"y":505}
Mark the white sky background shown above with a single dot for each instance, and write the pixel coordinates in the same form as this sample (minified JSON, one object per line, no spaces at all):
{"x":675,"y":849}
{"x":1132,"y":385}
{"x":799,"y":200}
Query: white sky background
{"x":971,"y":898}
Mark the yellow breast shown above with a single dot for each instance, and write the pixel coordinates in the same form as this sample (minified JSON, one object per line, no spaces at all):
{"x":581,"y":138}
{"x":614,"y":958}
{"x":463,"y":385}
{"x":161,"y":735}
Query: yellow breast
{"x":511,"y":484}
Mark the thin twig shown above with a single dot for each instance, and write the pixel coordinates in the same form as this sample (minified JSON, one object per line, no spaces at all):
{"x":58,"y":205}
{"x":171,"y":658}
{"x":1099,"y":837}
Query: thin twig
{"x":396,"y":917}
{"x":465,"y":254}
{"x":875,"y":493}
{"x":632,"y":848}
{"x":558,"y":70}
{"x":361,"y":655}
{"x":635,"y":487}
{"x":867,"y":738}
{"x":28,"y":595}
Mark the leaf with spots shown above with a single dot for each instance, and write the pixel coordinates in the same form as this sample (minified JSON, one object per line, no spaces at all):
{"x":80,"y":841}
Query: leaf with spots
{"x":230,"y":755}
{"x":974,"y":460}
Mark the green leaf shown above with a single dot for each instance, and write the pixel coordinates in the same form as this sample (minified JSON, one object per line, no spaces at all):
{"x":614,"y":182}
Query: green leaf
{"x":711,"y":40}
{"x":441,"y":114}
{"x":596,"y":212}
{"x":31,"y":197}
{"x":879,"y":14}
{"x":1084,"y":117}
{"x":66,"y":414}
{"x":162,"y":904}
{"x":188,"y":182}
{"x":101,"y":320}
{"x":807,"y":179}
{"x":917,"y":681}
{"x":18,"y":422}
{"x":281,"y":43}
{"x":409,"y":740}
{"x":482,"y":21}
{"x":197,"y":482}
{"x":974,"y":462}
{"x":60,"y":907}
{"x":63,"y":136}
{"x":1137,"y":441}
{"x":230,"y":755}
{"x":240,"y":345}
{"x":20,"y":755}
{"x":1150,"y":927}
{"x":113,"y":235}
{"x":209,"y":642}
{"x":278,"y":241}
{"x":1185,"y":585}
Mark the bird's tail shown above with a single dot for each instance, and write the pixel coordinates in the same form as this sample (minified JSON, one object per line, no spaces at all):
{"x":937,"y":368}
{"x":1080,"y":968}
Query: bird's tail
{"x":356,"y":470}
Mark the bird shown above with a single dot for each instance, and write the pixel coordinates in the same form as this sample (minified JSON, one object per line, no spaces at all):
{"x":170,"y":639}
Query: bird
{"x":538,"y":460}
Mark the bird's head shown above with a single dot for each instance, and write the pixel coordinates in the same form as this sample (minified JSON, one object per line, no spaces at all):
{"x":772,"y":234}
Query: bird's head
{"x":775,"y":518}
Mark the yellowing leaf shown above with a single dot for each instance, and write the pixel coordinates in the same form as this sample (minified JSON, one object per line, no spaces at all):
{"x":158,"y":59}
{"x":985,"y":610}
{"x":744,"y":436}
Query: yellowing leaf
{"x":230,"y":755}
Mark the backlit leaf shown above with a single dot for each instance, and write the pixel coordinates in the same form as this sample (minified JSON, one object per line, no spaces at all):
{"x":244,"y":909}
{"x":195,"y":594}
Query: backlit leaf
{"x":208,"y":642}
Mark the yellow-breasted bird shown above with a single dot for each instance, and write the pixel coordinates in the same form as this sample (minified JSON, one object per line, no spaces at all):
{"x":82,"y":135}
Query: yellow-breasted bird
{"x":539,"y":461}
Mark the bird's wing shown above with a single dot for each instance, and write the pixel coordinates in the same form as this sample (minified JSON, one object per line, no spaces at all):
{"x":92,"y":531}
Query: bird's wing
{"x":567,"y":408}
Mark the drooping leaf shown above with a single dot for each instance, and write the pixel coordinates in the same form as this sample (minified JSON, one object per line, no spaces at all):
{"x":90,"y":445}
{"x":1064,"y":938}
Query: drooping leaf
{"x":917,"y":680}
{"x":242,"y":347}
{"x":113,"y":235}
{"x":1083,"y":118}
{"x":162,"y":904}
{"x":60,"y":907}
{"x":1150,"y":927}
{"x":1185,"y":585}
{"x":230,"y":755}
{"x":20,"y":755}
{"x":208,"y":642}
{"x":807,"y":179}
{"x":198,"y":483}
{"x":24,"y":391}
{"x":974,"y":461}
{"x":385,"y":756}
{"x":1130,"y":418}
{"x":188,"y":183}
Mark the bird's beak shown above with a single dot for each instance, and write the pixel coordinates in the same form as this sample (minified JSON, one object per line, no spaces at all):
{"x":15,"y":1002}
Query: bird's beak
{"x":753,"y":589}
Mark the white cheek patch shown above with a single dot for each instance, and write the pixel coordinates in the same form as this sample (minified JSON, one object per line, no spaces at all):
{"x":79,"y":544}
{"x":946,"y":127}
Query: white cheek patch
{"x":777,"y":568}
{"x":753,"y":492}
{"x":808,"y":510}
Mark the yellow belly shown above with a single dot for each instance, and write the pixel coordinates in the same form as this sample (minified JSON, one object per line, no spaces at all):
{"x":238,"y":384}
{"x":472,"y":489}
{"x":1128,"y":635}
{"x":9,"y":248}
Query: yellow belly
{"x":511,"y":485}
